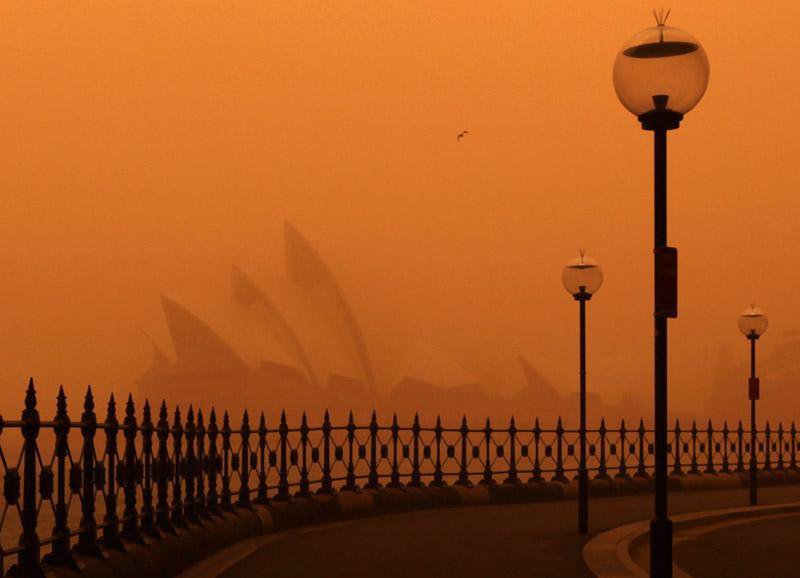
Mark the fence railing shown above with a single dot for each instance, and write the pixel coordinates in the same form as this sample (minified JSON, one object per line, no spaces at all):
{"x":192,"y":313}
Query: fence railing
{"x":87,"y":484}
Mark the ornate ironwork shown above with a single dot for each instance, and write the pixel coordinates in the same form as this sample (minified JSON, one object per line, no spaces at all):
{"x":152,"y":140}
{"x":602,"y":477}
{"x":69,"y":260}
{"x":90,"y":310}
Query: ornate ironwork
{"x":196,"y":470}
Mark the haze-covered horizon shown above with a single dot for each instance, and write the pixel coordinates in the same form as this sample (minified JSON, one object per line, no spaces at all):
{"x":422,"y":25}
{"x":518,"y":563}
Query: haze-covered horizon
{"x":148,"y":148}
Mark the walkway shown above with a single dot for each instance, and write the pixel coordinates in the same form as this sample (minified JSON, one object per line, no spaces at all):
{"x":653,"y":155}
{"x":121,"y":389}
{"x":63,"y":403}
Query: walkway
{"x":530,"y":540}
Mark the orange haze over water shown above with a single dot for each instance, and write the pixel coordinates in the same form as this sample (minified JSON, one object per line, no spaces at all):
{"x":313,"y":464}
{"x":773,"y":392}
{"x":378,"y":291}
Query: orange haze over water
{"x":147,"y":146}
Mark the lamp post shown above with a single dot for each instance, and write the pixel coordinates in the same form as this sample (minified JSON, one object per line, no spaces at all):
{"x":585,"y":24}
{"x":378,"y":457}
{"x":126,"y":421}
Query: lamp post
{"x":753,"y":323}
{"x":582,"y":277}
{"x":659,"y":75}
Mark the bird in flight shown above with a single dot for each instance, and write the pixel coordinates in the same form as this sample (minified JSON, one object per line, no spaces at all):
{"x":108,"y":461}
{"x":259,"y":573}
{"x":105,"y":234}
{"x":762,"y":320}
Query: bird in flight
{"x":461,"y":135}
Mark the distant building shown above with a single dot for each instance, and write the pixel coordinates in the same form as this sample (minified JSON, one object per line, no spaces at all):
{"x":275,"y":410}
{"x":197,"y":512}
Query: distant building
{"x":298,"y":345}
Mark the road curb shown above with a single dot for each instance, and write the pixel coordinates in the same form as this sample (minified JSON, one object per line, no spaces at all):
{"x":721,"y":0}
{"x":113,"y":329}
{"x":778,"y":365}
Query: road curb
{"x":609,"y":554}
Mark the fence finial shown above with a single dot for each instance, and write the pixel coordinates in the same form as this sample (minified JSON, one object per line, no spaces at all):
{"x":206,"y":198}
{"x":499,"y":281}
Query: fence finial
{"x":61,"y":400}
{"x":88,"y":401}
{"x":129,"y":407}
{"x":30,"y":395}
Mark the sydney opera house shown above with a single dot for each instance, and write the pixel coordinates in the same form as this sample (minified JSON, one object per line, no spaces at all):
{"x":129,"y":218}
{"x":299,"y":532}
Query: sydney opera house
{"x":293,"y":341}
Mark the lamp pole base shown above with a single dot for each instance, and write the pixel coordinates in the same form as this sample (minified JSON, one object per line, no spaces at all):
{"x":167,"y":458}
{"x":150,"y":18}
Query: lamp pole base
{"x":661,"y":548}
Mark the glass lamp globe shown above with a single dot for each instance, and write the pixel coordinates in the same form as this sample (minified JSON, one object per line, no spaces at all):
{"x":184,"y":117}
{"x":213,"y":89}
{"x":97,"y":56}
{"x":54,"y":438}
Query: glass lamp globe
{"x":582,"y":276}
{"x":661,"y":68}
{"x":753,"y":322}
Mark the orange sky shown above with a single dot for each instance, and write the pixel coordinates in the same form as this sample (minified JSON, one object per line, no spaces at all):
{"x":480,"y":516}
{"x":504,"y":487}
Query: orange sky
{"x":147,"y":145}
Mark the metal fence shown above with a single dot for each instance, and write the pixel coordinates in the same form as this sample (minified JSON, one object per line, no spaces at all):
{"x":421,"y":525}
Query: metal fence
{"x":82,"y":485}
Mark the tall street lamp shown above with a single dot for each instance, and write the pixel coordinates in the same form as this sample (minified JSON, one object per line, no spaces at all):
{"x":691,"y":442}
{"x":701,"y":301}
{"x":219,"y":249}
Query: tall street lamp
{"x":753,"y":323}
{"x":582,"y":277}
{"x":659,"y":75}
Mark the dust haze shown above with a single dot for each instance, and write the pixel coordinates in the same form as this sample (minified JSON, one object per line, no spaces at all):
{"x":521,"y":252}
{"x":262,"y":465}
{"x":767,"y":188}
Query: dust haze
{"x":152,"y":150}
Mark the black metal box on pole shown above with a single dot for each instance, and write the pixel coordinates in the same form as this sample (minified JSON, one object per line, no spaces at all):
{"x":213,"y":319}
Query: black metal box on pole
{"x":666,"y":290}
{"x":754,"y":388}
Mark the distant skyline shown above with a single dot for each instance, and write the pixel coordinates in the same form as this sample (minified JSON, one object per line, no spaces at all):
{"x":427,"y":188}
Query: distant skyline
{"x":149,"y":146}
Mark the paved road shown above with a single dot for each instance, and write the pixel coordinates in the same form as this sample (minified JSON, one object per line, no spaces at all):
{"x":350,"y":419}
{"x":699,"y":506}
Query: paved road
{"x":530,"y":540}
{"x":762,"y":548}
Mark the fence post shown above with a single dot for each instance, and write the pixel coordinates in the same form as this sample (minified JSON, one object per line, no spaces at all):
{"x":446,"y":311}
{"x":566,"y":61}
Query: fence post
{"x":559,"y":473}
{"x":199,"y":467}
{"x":780,"y":445}
{"x":262,"y":450}
{"x":111,"y":537}
{"x":512,"y":458}
{"x":326,"y":487}
{"x":463,"y":472}
{"x":148,"y":513}
{"x":213,"y":466}
{"x":740,"y":448}
{"x":416,"y":479}
{"x":29,"y":559}
{"x":641,"y":470}
{"x":130,"y":526}
{"x":178,"y":471}
{"x":190,"y":469}
{"x":226,"y":462}
{"x":710,"y":450}
{"x":767,"y":448}
{"x":726,"y":446}
{"x":536,"y":473}
{"x":304,"y":491}
{"x":602,"y":469}
{"x":60,"y":554}
{"x":438,"y":475}
{"x":163,"y":472}
{"x":283,"y":471}
{"x":793,"y":462}
{"x":395,"y":477}
{"x":372,"y":479}
{"x":351,"y":468}
{"x":694,"y":470}
{"x":87,"y":539}
{"x":677,"y":468}
{"x":244,"y":473}
{"x":487,"y":465}
{"x":623,"y":446}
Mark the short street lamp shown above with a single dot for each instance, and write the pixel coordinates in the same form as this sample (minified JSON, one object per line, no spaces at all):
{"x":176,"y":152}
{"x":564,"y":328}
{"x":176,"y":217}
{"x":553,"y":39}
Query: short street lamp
{"x":659,"y":75}
{"x":582,"y":277}
{"x":753,"y":323}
